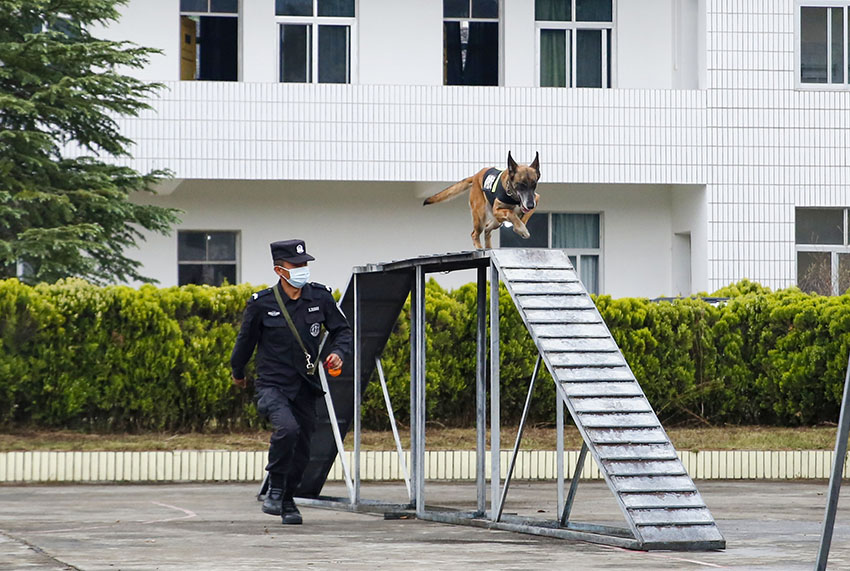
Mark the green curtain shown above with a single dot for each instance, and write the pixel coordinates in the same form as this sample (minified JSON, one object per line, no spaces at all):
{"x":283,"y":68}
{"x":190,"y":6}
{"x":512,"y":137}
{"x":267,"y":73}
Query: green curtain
{"x":552,"y":10}
{"x":553,"y":58}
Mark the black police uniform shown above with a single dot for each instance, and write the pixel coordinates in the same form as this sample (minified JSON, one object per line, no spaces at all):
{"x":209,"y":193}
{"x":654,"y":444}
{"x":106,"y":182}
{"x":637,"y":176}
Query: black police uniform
{"x":286,"y":392}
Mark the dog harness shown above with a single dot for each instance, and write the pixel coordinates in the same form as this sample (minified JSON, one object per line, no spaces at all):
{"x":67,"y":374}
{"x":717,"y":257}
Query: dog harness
{"x":493,"y":188}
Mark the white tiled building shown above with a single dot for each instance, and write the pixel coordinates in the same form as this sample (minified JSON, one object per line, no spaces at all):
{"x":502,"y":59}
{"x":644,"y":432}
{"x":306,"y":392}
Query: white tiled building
{"x":684,"y":145}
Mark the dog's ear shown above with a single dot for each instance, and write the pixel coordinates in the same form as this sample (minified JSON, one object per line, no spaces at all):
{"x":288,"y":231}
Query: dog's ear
{"x":511,"y":165}
{"x":535,"y":164}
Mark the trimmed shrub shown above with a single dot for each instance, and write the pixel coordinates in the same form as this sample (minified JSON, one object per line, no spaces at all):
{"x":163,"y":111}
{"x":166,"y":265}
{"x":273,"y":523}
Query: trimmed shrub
{"x":115,"y":358}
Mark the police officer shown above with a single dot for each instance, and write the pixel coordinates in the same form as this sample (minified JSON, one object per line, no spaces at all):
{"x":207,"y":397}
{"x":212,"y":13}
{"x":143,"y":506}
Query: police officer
{"x":287,"y":384}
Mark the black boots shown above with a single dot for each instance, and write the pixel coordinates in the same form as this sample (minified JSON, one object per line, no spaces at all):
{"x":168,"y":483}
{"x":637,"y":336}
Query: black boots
{"x":273,"y":501}
{"x":289,"y":513}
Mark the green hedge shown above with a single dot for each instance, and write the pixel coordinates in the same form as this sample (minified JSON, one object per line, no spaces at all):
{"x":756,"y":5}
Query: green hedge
{"x":116,"y":358}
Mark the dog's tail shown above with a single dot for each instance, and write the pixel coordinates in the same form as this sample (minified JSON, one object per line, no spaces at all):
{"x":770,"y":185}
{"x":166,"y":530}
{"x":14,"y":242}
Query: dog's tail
{"x":453,"y":191}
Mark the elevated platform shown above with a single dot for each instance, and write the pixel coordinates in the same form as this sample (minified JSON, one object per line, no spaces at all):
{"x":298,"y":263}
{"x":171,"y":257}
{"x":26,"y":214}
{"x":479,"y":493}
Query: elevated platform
{"x":658,"y":499}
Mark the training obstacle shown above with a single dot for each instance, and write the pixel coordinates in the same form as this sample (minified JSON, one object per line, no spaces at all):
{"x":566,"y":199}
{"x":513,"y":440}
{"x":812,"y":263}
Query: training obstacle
{"x":659,"y":501}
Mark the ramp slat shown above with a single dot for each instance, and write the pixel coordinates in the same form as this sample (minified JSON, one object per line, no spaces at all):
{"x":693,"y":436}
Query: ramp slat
{"x":629,"y":404}
{"x":590,"y":359}
{"x":524,"y":258}
{"x":555,"y":302}
{"x":618,"y":420}
{"x":637,"y":452}
{"x":567,"y":374}
{"x":691,"y":516}
{"x":564,"y":288}
{"x":662,"y":499}
{"x":689,"y":534}
{"x":535,"y":275}
{"x":578,"y":345}
{"x":619,"y":435}
{"x":625,"y":388}
{"x":644,"y":468}
{"x":570,"y":330}
{"x":650,"y":483}
{"x":562,"y":316}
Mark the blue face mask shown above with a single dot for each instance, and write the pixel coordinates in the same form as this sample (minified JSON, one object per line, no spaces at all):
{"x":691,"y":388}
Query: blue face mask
{"x":298,"y":276}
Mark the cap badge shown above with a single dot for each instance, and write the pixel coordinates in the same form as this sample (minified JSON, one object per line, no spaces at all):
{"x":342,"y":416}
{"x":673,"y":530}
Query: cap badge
{"x":299,"y":248}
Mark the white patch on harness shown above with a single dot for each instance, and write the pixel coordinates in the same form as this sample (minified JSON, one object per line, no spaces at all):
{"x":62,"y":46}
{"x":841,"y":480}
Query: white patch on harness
{"x":489,"y":182}
{"x":314,"y":329}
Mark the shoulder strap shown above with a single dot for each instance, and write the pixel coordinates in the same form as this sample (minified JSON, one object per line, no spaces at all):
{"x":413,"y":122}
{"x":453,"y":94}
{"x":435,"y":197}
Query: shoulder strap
{"x":311,"y":367}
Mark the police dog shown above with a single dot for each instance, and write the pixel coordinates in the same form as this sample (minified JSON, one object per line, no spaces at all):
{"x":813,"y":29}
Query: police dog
{"x":496,"y":197}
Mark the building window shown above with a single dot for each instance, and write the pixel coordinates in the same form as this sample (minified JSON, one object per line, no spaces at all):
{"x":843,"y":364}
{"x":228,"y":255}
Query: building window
{"x":823,"y":44}
{"x":823,"y":250}
{"x":578,"y":234}
{"x":315,"y":40}
{"x":471,"y":42}
{"x":209,"y":40}
{"x":574,"y":42}
{"x":207,"y":257}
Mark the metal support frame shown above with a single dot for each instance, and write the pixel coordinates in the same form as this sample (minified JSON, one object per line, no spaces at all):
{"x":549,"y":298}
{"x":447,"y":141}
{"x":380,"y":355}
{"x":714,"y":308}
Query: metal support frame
{"x":559,"y":446}
{"x":838,"y":458}
{"x":492,"y":518}
{"x":495,"y":421}
{"x":481,"y":393}
{"x":417,"y":386}
{"x":358,"y":383}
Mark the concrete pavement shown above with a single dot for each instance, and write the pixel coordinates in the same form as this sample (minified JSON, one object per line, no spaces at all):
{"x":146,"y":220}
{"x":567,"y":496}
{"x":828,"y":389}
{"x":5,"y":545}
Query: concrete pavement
{"x":767,"y":525}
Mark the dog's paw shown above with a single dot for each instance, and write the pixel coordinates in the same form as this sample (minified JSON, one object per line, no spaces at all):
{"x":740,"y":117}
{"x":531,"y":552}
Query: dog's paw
{"x":523,"y":233}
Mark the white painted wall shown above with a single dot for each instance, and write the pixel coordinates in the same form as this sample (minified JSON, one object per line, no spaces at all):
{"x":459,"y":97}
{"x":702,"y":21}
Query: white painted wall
{"x":636,"y":237}
{"x":352,"y":224}
{"x":520,"y":52}
{"x":152,"y":24}
{"x":689,"y":214}
{"x":400,"y":43}
{"x":645,"y":44}
{"x":258,"y":36}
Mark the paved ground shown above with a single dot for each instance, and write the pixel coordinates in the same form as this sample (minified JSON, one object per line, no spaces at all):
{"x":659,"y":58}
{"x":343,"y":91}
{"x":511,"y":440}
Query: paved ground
{"x":767,"y":525}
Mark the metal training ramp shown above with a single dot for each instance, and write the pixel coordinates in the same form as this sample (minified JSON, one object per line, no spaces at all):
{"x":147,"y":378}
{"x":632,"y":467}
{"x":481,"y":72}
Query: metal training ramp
{"x":659,"y":500}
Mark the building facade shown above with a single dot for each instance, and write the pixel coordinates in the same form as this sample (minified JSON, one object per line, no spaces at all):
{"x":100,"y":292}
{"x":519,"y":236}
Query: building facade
{"x":684,"y":144}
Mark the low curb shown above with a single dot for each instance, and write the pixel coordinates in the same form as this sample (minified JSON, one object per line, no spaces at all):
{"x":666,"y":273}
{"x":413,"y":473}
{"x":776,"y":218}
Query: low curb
{"x":247,"y":466}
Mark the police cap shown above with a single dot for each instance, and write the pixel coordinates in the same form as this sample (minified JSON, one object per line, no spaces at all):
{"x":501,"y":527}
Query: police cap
{"x":290,"y":251}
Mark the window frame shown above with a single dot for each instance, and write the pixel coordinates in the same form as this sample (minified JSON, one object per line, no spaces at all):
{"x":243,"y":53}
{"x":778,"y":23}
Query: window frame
{"x":501,"y":34}
{"x":835,"y":250}
{"x":573,"y":26}
{"x":577,"y":252}
{"x":798,"y":36}
{"x":236,"y":246}
{"x":314,"y":22}
{"x":210,"y":14}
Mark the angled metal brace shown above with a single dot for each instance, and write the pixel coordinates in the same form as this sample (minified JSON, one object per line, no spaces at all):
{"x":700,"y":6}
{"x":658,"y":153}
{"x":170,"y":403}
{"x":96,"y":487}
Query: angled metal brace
{"x":518,"y":441}
{"x":568,"y":506}
{"x":835,"y":479}
{"x":337,"y":437}
{"x":390,"y":413}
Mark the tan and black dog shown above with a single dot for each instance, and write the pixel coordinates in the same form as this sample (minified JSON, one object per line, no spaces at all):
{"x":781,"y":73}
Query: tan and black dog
{"x":496,"y":197}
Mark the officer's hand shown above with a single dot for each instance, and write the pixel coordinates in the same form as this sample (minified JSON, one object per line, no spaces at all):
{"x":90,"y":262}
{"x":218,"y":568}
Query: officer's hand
{"x":241,"y":383}
{"x":333,"y":361}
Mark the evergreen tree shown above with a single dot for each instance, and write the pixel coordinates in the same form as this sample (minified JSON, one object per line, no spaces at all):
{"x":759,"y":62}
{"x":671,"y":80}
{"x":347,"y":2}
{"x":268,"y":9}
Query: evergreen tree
{"x":64,"y":211}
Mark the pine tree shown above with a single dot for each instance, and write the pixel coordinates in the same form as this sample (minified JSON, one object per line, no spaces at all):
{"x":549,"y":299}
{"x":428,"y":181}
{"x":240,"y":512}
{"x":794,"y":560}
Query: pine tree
{"x":64,"y":210}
